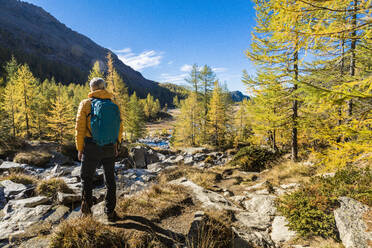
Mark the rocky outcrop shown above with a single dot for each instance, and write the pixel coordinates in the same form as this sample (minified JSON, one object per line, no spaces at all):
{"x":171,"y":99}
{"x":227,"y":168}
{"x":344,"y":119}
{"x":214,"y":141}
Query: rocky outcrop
{"x":25,"y":203}
{"x":143,"y":156}
{"x":280,"y":232}
{"x":207,"y":198}
{"x":16,"y":221}
{"x":11,"y":188}
{"x":350,"y":223}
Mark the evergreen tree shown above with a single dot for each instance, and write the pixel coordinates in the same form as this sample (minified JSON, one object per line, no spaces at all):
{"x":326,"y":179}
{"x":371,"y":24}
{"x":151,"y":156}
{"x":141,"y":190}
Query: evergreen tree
{"x":218,"y":117}
{"x":176,"y":101}
{"x":117,"y":87}
{"x":135,"y":125}
{"x":207,"y":80}
{"x":266,"y":111}
{"x":276,"y":47}
{"x":95,"y":71}
{"x":25,"y":98}
{"x":194,"y":79}
{"x":61,"y":118}
{"x":188,"y":123}
{"x":242,"y":123}
{"x":9,"y":103}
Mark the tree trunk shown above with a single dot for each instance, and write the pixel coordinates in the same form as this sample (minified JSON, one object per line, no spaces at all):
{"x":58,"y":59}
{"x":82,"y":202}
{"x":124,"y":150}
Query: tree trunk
{"x":26,"y":112}
{"x":352,"y":50}
{"x":295,"y":110}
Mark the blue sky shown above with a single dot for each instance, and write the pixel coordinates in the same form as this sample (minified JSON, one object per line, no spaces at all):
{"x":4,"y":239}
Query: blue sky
{"x":163,"y":38}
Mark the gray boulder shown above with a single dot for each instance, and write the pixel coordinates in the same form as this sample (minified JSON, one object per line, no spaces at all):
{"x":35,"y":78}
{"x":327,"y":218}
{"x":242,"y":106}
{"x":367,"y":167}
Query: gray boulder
{"x":155,"y":167}
{"x":138,"y":155}
{"x":2,"y":198}
{"x":280,"y":232}
{"x":261,"y":205}
{"x":67,"y":199}
{"x":350,"y":223}
{"x":11,"y":188}
{"x":76,"y":171}
{"x":59,"y":214}
{"x":25,"y":203}
{"x":6,"y":165}
{"x":208,"y":198}
{"x":254,"y":220}
{"x":188,"y":160}
{"x":59,"y":159}
{"x":251,"y":238}
{"x":143,"y":156}
{"x":16,"y":222}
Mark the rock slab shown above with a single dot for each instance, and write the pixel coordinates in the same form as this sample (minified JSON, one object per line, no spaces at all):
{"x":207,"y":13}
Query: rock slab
{"x":350,"y":223}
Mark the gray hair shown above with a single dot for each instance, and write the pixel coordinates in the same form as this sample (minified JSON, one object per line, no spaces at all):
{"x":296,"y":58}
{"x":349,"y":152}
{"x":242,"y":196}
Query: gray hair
{"x":97,"y":83}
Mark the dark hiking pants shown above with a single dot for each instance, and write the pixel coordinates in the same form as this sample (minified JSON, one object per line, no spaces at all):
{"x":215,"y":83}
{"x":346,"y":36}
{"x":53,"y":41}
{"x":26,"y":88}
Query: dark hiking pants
{"x":93,"y":157}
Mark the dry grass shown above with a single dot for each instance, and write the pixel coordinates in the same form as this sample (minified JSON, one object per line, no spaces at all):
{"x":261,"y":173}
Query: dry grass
{"x":212,"y":233}
{"x":86,"y":233}
{"x":158,"y":202}
{"x":204,"y":178}
{"x":140,"y":239}
{"x":36,"y":158}
{"x":288,"y":172}
{"x":17,"y":177}
{"x":50,"y":187}
{"x":314,"y":242}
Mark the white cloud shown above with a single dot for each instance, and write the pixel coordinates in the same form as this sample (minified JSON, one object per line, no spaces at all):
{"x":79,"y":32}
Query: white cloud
{"x":139,"y":61}
{"x":176,"y":79}
{"x":170,"y":62}
{"x":219,"y":69}
{"x":186,"y":68}
{"x":125,"y":50}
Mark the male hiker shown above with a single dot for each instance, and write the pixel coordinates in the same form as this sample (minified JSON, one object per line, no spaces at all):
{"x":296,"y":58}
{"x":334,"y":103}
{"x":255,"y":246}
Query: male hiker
{"x":98,"y":130}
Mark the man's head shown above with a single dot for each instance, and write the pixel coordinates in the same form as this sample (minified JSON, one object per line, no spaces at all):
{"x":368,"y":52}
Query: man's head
{"x":97,"y":84}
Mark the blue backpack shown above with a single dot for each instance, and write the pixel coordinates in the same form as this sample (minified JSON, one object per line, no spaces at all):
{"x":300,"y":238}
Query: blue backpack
{"x":104,"y":121}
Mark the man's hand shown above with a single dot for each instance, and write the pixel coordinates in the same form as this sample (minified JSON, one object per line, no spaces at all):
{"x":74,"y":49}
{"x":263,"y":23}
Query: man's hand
{"x":80,"y":155}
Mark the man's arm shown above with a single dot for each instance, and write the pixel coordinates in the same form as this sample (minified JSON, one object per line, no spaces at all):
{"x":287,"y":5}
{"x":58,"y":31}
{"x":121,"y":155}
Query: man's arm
{"x":81,"y":127}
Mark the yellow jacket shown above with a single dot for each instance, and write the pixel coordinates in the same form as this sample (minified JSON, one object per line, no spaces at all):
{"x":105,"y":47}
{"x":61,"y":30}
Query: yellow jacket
{"x":82,"y":127}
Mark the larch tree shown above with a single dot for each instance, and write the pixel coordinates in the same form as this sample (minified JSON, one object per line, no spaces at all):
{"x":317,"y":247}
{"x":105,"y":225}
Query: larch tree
{"x":96,"y":71}
{"x":188,"y":125}
{"x":276,"y":48}
{"x":25,"y":96}
{"x":117,"y":87}
{"x":218,"y":117}
{"x":135,"y":125}
{"x":194,"y":79}
{"x":268,"y":117}
{"x":9,"y":95}
{"x":61,"y":118}
{"x":207,"y":81}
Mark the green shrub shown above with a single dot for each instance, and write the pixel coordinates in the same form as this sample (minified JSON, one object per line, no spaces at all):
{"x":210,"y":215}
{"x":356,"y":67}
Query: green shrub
{"x":253,"y":158}
{"x":309,"y":210}
{"x":85,"y":233}
{"x":51,"y":187}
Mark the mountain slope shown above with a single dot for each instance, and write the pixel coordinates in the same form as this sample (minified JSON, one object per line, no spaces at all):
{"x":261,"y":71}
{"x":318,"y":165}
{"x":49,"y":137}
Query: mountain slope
{"x":238,"y":96}
{"x":52,"y":49}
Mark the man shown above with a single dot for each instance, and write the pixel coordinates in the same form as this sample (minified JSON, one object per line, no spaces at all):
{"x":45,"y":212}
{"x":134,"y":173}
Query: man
{"x":99,"y":115}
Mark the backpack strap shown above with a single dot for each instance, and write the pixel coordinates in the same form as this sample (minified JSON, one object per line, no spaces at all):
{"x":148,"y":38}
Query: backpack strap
{"x":91,"y":99}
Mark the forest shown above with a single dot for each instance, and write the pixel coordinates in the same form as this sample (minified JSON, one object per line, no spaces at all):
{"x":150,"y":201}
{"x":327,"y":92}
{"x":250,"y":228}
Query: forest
{"x":298,"y":150}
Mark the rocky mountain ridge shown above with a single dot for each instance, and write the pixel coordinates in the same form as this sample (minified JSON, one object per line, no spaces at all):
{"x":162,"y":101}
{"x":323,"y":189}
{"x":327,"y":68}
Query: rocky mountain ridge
{"x":35,"y":37}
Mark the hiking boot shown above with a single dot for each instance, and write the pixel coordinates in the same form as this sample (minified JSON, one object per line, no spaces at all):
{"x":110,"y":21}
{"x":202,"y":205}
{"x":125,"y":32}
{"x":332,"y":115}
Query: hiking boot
{"x":112,"y":217}
{"x":85,"y":208}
